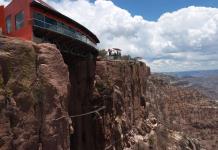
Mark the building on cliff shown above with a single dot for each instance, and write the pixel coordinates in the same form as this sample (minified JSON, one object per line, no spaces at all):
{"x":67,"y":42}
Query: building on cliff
{"x":37,"y":21}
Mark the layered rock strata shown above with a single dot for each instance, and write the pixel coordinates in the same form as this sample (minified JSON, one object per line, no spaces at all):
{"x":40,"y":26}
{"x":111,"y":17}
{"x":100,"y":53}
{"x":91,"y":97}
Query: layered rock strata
{"x":132,"y":119}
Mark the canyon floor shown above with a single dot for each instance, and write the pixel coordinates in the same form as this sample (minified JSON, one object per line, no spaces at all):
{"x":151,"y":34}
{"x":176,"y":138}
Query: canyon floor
{"x":205,"y":81}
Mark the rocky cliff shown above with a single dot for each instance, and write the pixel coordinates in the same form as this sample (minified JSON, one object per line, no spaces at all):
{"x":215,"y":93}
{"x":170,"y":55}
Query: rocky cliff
{"x":34,"y":88}
{"x":141,"y":109}
{"x":185,"y":110}
{"x":50,"y":100}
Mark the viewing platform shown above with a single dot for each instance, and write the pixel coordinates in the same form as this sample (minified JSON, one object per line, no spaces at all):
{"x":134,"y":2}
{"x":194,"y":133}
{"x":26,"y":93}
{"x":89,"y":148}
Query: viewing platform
{"x":61,"y":29}
{"x":37,"y":21}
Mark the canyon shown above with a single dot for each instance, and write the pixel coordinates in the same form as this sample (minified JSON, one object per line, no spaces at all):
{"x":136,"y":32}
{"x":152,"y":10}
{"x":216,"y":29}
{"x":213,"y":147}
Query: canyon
{"x":54,"y":101}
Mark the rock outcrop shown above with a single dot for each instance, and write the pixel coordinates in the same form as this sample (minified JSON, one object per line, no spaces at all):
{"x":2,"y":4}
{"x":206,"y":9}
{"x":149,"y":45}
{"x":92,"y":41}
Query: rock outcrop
{"x":119,"y":87}
{"x":185,"y":110}
{"x":50,"y":100}
{"x":34,"y":86}
{"x":135,"y":115}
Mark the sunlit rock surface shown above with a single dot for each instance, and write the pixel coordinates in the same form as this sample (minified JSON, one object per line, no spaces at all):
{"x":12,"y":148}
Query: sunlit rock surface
{"x":33,"y":93}
{"x":145,"y":112}
{"x":38,"y":93}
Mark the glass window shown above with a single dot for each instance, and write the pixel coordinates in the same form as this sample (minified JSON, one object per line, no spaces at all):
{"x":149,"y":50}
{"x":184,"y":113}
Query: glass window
{"x":38,"y":16}
{"x":19,"y":20}
{"x":72,"y":30}
{"x":59,"y":24}
{"x":59,"y":27}
{"x":38,"y":19}
{"x":50,"y":23}
{"x":65,"y":26}
{"x":78,"y":35}
{"x":8,"y":24}
{"x":66,"y":30}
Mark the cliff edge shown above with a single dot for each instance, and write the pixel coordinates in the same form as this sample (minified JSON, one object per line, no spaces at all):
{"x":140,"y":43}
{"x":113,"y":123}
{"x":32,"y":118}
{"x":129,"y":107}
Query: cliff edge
{"x":136,"y":115}
{"x":34,"y":86}
{"x":54,"y":101}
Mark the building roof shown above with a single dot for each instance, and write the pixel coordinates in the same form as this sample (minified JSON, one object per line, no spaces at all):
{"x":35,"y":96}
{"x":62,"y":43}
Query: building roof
{"x":116,"y":49}
{"x":43,"y":3}
{"x":45,"y":6}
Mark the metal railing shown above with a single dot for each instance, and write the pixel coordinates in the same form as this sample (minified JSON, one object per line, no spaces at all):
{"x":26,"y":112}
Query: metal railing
{"x":61,"y":30}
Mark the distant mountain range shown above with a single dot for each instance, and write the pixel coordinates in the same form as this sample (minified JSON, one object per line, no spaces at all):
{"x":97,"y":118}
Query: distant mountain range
{"x":201,"y":73}
{"x":204,"y":81}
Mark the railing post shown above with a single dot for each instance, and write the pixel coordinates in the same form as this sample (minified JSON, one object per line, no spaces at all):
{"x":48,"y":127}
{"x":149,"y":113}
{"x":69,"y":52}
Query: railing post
{"x":61,"y":30}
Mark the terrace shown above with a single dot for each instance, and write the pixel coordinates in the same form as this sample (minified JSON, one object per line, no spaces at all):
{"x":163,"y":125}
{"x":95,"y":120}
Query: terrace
{"x":43,"y":22}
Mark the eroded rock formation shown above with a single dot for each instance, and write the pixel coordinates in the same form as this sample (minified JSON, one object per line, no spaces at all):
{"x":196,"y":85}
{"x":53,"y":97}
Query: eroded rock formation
{"x":33,"y":94}
{"x":145,"y":112}
{"x":40,"y":88}
{"x":185,"y":110}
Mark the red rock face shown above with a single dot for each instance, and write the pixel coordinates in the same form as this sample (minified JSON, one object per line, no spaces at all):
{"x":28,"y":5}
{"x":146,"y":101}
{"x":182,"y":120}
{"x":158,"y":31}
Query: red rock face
{"x":144,"y":112}
{"x":54,"y":77}
{"x":137,"y":111}
{"x":120,"y":86}
{"x":184,"y":110}
{"x":34,"y":93}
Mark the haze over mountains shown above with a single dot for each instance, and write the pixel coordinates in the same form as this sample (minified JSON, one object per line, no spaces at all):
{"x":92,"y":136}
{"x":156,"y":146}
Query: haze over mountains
{"x":200,"y":73}
{"x":205,"y":81}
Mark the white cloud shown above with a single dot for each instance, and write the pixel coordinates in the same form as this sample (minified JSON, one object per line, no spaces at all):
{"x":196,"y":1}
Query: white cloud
{"x":182,"y":40}
{"x":4,"y":2}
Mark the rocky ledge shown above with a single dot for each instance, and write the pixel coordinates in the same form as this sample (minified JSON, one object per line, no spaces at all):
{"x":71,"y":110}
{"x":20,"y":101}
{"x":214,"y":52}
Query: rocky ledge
{"x":141,"y":109}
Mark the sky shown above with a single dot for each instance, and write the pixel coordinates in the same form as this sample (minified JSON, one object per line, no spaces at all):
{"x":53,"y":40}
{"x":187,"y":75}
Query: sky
{"x":153,"y":9}
{"x":170,"y":35}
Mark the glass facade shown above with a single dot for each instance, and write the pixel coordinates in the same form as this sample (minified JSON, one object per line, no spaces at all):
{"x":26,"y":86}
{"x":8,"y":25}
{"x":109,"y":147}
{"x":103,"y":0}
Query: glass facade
{"x":19,"y":20}
{"x":8,"y":24}
{"x":42,"y":21}
{"x":50,"y":24}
